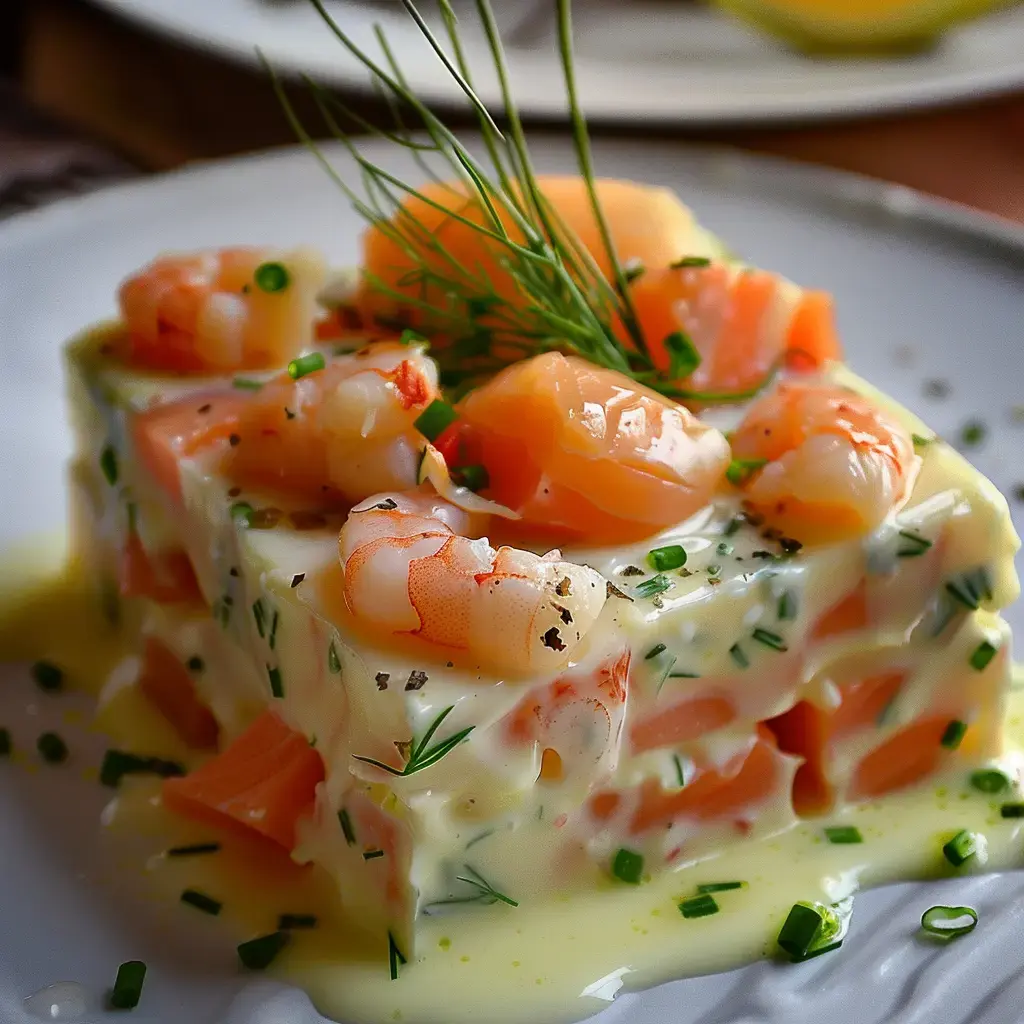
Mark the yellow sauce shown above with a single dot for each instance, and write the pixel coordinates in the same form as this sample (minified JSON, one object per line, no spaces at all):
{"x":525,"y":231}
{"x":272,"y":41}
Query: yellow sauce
{"x":560,"y":960}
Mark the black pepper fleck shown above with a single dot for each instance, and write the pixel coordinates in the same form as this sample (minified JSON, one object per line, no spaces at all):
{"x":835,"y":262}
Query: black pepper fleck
{"x":552,"y":639}
{"x":416,"y":680}
{"x":382,"y":680}
{"x":234,"y":440}
{"x":297,"y":579}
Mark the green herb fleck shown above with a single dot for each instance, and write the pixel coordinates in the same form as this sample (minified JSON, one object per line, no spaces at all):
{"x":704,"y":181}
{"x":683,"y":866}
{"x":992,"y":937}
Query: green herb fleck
{"x":960,"y":848}
{"x":628,"y":866}
{"x":372,"y":854}
{"x":127,"y":990}
{"x":672,"y":556}
{"x":655,"y":651}
{"x":788,"y":607}
{"x":769,"y":639}
{"x":653,"y":587}
{"x":108,"y":464}
{"x":421,"y":755}
{"x":199,"y":900}
{"x":953,"y":735}
{"x":740,"y":471}
{"x":982,"y":655}
{"x":244,"y":384}
{"x":435,"y":419}
{"x":949,"y":922}
{"x":912,"y":544}
{"x":720,"y":886}
{"x":52,"y":748}
{"x":258,"y":954}
{"x":973,"y":433}
{"x":292,"y":922}
{"x":739,"y":656}
{"x":276,"y":684}
{"x":395,"y":957}
{"x":346,"y":827}
{"x":989,"y":780}
{"x":195,"y":850}
{"x":47,"y":676}
{"x":118,"y":763}
{"x":333,"y":661}
{"x":305,"y":365}
{"x":686,"y":262}
{"x":703,"y":905}
{"x":271,"y":277}
{"x":843,"y":835}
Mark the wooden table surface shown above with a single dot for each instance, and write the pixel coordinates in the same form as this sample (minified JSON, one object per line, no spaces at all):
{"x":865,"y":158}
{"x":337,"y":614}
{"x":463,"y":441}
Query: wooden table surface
{"x":160,"y":106}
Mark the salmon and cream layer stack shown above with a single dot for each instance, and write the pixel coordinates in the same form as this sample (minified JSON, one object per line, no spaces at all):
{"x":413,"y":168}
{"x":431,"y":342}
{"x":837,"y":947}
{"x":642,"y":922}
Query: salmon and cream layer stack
{"x":559,"y":634}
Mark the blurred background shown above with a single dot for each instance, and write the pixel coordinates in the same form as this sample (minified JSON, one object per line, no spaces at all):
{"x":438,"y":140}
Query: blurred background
{"x":928,"y":93}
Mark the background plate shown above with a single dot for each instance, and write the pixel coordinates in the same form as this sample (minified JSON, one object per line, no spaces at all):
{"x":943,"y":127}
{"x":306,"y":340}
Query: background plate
{"x":925,"y":292}
{"x":641,"y":60}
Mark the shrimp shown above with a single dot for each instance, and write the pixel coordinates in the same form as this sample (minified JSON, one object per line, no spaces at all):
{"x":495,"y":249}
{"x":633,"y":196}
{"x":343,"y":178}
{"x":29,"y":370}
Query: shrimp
{"x":742,"y":322}
{"x":837,"y":464}
{"x":343,"y":432}
{"x":222,"y":310}
{"x":588,"y":454}
{"x":409,"y":569}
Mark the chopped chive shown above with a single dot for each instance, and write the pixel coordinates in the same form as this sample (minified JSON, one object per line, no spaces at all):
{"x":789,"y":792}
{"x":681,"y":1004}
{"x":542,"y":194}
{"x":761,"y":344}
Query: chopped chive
{"x":1012,"y":811}
{"x":242,"y":511}
{"x":914,"y":544}
{"x":655,"y":651}
{"x":244,"y":384}
{"x":47,"y":676}
{"x":920,"y":441}
{"x":346,"y":827}
{"x":333,"y":661}
{"x":787,"y":607}
{"x":769,"y":639}
{"x":733,"y":526}
{"x":271,"y":277}
{"x":949,"y":922}
{"x":802,"y":927}
{"x":118,"y":763}
{"x":817,"y":951}
{"x":719,"y":886}
{"x":475,"y":478}
{"x":973,"y":433}
{"x":127,"y":990}
{"x":724,"y":548}
{"x":290,"y":922}
{"x":276,"y":685}
{"x":628,"y":866}
{"x":52,"y":748}
{"x":305,"y":365}
{"x":633,"y":270}
{"x":680,"y":773}
{"x":739,"y":656}
{"x":653,"y":587}
{"x":739,"y":471}
{"x":714,"y":570}
{"x":989,"y":780}
{"x":195,"y":850}
{"x":272,"y":637}
{"x":672,"y":556}
{"x":199,"y":900}
{"x":372,"y":854}
{"x":689,"y":261}
{"x":395,"y":957}
{"x":684,"y":675}
{"x":195,"y":664}
{"x":682,"y":354}
{"x":961,"y":848}
{"x":953,"y":735}
{"x":411,"y":337}
{"x":108,"y":464}
{"x":258,"y":954}
{"x":703,"y":905}
{"x":435,"y":419}
{"x":843,"y":835}
{"x":5,"y":743}
{"x":982,"y":655}
{"x":260,"y":616}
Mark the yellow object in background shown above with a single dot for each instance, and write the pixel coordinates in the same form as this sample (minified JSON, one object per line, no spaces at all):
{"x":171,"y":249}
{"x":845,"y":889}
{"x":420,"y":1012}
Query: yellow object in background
{"x":857,"y":25}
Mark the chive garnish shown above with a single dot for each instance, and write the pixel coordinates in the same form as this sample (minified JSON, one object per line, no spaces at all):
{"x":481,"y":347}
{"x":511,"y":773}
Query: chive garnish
{"x":271,"y":277}
{"x":982,"y":655}
{"x":953,"y":735}
{"x":333,"y":661}
{"x":739,"y":656}
{"x":372,"y":854}
{"x":843,"y":835}
{"x":199,"y":900}
{"x":52,"y":748}
{"x":305,"y":365}
{"x":632,"y":271}
{"x":973,"y":433}
{"x":260,"y":616}
{"x":913,"y":544}
{"x":127,"y":990}
{"x":920,"y":441}
{"x":787,"y":607}
{"x":680,"y":773}
{"x":724,"y":548}
{"x":949,"y":922}
{"x":395,"y":957}
{"x":802,"y":927}
{"x":244,"y":384}
{"x":682,"y":353}
{"x":411,"y":337}
{"x":291,"y":922}
{"x":703,"y":905}
{"x":740,"y":471}
{"x":195,"y":664}
{"x":482,"y":891}
{"x":258,"y":954}
{"x":108,"y":464}
{"x":655,"y":651}
{"x":421,"y":755}
{"x":653,"y":587}
{"x":435,"y":419}
{"x":689,"y":261}
{"x":195,"y":850}
{"x":346,"y":827}
{"x":276,"y":685}
{"x":672,"y":556}
{"x":989,"y":780}
{"x":47,"y":676}
{"x":5,"y":743}
{"x":719,"y":886}
{"x":118,"y":763}
{"x":628,"y":866}
{"x":961,"y":847}
{"x":475,"y":478}
{"x":1012,"y":811}
{"x":272,"y":637}
{"x":769,"y":639}
{"x":714,"y":570}
{"x":242,"y":511}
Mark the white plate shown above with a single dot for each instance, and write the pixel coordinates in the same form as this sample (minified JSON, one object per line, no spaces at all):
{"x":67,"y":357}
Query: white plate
{"x":915,"y":280}
{"x":641,"y":60}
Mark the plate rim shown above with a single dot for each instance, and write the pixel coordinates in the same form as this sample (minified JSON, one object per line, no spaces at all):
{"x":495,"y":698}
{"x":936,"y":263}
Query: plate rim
{"x":841,"y":104}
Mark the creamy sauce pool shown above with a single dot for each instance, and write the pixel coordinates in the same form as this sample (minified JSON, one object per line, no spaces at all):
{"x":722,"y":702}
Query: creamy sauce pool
{"x":561,"y":960}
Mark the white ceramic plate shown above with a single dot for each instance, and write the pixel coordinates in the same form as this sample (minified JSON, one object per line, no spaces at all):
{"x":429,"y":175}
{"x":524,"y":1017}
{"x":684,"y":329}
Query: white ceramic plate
{"x":638,"y":60}
{"x":925,"y":291}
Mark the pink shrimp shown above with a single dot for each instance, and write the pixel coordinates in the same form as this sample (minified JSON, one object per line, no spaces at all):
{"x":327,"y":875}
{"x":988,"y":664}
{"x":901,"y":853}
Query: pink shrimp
{"x":223,"y":310}
{"x":409,"y":569}
{"x":836,"y":464}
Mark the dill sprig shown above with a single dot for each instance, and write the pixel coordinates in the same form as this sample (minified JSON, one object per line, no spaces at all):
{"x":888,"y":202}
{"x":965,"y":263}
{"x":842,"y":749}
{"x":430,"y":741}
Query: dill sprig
{"x":421,"y":755}
{"x":561,"y":299}
{"x":482,"y":891}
